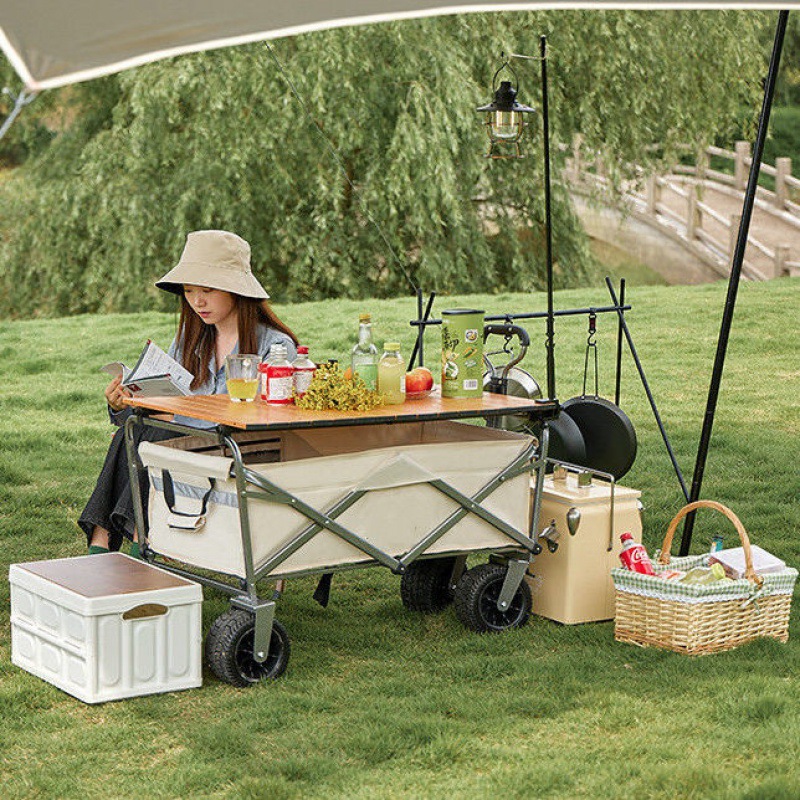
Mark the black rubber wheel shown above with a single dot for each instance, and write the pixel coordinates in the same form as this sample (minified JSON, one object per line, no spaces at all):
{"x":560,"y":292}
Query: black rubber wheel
{"x":476,"y":600}
{"x":425,"y":585}
{"x":229,"y":649}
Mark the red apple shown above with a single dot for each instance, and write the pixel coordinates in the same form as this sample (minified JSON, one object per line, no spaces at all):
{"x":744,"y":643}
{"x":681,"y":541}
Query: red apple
{"x":419,"y":380}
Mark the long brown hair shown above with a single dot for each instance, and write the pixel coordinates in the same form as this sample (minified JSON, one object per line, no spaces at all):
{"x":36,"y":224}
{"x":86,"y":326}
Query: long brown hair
{"x":197,"y":339}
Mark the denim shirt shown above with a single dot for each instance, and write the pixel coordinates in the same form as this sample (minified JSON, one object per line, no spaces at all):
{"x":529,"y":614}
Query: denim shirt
{"x":215,"y":380}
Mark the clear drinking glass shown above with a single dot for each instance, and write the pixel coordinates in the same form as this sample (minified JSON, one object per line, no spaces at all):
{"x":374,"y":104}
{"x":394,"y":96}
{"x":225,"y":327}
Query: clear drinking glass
{"x":241,"y":377}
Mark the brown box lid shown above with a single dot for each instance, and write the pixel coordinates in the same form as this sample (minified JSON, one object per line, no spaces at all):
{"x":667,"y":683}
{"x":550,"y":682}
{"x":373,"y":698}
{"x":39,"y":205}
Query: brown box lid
{"x":104,"y":574}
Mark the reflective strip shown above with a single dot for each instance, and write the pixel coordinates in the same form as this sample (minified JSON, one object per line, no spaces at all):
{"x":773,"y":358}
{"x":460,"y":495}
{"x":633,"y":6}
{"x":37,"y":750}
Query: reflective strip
{"x":216,"y":497}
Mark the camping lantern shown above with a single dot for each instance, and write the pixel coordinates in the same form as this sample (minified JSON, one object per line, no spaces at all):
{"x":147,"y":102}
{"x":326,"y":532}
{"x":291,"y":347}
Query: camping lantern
{"x":505,"y":117}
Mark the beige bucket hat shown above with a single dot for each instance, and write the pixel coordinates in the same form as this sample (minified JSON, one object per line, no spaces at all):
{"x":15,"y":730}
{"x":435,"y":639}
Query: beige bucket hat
{"x":216,"y":260}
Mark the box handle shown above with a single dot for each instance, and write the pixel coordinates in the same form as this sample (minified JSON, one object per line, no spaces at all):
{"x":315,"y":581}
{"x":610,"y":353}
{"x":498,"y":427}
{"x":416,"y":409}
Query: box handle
{"x":145,"y":611}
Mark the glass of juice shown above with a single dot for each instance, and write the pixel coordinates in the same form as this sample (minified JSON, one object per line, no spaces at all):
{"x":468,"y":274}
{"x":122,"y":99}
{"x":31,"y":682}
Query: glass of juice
{"x":241,"y":377}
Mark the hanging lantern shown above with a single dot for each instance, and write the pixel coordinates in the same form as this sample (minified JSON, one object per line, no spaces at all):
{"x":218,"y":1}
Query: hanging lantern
{"x":505,"y":117}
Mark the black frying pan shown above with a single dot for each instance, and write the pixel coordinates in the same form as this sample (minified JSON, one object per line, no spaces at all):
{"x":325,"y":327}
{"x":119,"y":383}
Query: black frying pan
{"x":566,"y":441}
{"x":608,"y":434}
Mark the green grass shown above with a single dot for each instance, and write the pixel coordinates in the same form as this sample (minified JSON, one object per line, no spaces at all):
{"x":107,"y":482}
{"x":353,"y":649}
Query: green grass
{"x":379,"y":702}
{"x":617,"y":264}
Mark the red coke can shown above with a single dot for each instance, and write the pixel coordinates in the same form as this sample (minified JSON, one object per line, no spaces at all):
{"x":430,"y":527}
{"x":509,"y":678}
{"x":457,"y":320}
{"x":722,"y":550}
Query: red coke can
{"x":634,"y":557}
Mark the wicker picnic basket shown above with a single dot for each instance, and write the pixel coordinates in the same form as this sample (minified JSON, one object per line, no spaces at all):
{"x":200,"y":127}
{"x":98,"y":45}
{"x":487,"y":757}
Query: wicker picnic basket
{"x":701,"y":618}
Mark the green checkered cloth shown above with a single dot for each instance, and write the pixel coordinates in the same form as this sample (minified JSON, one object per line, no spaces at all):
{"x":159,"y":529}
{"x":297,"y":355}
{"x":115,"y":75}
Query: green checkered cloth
{"x":652,"y":586}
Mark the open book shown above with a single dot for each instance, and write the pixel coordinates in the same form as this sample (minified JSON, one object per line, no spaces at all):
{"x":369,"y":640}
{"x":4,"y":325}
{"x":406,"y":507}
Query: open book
{"x":156,"y":374}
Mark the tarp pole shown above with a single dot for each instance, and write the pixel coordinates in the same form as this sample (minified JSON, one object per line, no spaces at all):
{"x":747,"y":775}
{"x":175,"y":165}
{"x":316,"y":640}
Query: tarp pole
{"x":548,"y":227}
{"x":20,"y":101}
{"x":733,"y":281}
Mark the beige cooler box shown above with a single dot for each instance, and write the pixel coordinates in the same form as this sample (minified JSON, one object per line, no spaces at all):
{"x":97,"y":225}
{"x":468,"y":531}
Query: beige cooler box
{"x":106,"y":627}
{"x":574,"y":583}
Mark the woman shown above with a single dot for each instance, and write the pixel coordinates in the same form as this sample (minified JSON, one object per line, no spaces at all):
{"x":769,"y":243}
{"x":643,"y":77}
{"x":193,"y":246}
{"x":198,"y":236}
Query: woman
{"x":224,"y":310}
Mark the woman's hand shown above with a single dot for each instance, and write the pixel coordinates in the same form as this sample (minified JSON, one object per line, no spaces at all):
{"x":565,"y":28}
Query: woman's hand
{"x":115,"y":393}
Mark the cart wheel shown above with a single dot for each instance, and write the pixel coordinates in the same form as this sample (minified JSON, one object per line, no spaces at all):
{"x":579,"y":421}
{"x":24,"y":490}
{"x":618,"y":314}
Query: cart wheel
{"x":476,"y":600}
{"x":425,"y":585}
{"x":229,"y":649}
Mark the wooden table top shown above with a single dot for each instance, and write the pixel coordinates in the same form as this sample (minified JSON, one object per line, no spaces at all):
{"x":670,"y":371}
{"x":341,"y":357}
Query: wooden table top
{"x":221,"y":410}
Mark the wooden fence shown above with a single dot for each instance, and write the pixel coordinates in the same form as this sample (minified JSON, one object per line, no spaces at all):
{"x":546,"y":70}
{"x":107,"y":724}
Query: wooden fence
{"x":672,"y":203}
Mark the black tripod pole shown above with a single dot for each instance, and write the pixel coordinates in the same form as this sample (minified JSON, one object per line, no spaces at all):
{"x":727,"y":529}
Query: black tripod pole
{"x":548,"y":226}
{"x":733,"y":281}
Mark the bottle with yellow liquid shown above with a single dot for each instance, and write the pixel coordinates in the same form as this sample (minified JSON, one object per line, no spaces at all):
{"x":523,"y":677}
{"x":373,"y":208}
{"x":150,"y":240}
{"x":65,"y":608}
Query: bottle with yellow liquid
{"x":392,"y":374}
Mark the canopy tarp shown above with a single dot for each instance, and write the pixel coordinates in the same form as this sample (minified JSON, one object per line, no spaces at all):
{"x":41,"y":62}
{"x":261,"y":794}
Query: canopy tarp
{"x":57,"y":42}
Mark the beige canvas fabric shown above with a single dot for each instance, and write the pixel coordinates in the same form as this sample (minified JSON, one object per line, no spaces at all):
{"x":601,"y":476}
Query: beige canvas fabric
{"x":216,"y":260}
{"x":321,"y":466}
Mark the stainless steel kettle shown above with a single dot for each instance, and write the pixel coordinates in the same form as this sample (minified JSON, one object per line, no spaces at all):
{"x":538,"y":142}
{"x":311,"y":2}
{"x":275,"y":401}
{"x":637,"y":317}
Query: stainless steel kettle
{"x":509,"y":378}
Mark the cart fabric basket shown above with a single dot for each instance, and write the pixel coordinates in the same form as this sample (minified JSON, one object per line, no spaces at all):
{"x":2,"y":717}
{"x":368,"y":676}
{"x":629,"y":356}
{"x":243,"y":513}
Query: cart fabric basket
{"x":701,"y":618}
{"x":320,"y":466}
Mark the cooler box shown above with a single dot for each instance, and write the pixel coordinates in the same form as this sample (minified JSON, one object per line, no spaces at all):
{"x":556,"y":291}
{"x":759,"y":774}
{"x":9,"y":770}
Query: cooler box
{"x":105,"y":627}
{"x":574,"y":584}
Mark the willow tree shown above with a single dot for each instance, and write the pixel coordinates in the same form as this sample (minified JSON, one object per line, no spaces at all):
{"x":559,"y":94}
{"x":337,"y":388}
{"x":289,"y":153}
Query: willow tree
{"x":352,"y":159}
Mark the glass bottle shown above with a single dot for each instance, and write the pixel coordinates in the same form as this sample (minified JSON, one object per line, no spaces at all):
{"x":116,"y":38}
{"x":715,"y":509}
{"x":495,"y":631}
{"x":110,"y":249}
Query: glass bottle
{"x":392,"y":374}
{"x":364,"y":356}
{"x":304,"y":369}
{"x":277,"y":377}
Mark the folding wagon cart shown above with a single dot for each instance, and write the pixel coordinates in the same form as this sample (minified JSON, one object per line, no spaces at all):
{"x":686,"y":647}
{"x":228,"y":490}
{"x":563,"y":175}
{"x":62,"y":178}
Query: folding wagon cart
{"x":272,"y":492}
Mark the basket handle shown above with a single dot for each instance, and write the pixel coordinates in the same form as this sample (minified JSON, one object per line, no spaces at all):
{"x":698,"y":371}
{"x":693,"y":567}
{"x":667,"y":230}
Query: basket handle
{"x":749,"y":572}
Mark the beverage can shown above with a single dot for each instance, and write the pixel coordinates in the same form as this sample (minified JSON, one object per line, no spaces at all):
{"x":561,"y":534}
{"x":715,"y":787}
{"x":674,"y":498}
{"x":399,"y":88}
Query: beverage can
{"x":462,"y":352}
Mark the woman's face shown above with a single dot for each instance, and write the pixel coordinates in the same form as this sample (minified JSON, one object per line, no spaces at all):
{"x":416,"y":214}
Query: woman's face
{"x":213,"y":306}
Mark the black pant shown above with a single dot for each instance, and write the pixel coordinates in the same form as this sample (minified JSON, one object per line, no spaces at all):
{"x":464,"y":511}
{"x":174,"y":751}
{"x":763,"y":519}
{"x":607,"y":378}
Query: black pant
{"x":111,"y":503}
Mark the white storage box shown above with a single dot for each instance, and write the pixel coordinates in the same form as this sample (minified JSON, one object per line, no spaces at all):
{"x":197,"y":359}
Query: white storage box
{"x":393,"y":463}
{"x":574,"y":584}
{"x":104,"y":627}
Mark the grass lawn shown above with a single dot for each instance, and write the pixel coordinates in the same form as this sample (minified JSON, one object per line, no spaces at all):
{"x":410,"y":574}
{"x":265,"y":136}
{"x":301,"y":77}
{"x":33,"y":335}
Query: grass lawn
{"x":380,"y":702}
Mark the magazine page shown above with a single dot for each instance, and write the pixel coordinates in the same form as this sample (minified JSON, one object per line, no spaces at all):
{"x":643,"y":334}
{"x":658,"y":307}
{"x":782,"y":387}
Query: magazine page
{"x":116,"y":369}
{"x":153,"y":362}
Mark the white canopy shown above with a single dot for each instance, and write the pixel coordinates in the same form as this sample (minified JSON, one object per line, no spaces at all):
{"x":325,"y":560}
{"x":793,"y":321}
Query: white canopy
{"x":56,"y":42}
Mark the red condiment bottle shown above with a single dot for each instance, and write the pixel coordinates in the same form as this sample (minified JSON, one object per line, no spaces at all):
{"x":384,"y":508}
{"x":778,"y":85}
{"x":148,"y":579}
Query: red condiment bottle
{"x":634,"y":556}
{"x":276,"y":377}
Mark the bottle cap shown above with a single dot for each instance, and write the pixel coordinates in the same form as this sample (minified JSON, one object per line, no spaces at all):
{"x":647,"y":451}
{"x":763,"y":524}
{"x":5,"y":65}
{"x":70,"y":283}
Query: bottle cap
{"x":626,"y":537}
{"x":362,"y":318}
{"x":302,"y":349}
{"x":391,"y":346}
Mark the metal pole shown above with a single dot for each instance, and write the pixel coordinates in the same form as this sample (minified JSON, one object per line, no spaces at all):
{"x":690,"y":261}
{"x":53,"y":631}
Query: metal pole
{"x":20,"y":101}
{"x":422,"y":322}
{"x":646,"y":385}
{"x":548,"y":226}
{"x":619,"y":343}
{"x":733,"y":282}
{"x":420,"y":330}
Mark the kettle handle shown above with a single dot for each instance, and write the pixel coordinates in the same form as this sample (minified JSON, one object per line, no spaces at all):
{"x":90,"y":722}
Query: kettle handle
{"x":508,"y":330}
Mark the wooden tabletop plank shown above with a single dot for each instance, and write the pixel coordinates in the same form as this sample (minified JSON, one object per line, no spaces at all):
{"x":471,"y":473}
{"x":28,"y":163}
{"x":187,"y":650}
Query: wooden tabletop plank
{"x":221,"y":410}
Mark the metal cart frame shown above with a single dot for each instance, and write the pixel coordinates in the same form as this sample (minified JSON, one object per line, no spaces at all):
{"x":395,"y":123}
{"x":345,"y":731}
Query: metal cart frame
{"x":517,"y":556}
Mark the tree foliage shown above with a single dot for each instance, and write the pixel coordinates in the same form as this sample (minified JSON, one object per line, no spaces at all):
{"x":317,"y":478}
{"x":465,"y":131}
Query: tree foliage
{"x":384,"y":132}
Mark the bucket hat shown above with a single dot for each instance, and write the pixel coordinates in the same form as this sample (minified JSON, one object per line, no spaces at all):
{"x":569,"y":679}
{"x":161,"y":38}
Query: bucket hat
{"x":215,"y":260}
